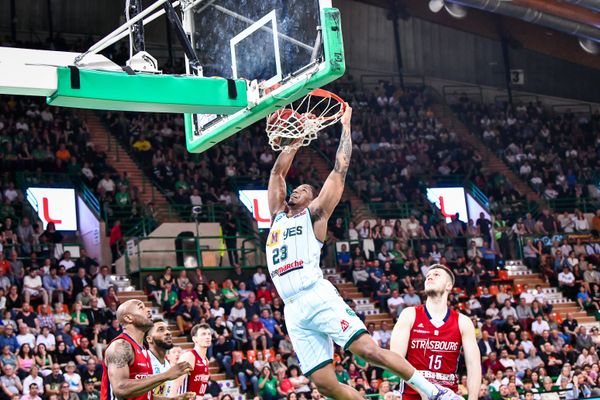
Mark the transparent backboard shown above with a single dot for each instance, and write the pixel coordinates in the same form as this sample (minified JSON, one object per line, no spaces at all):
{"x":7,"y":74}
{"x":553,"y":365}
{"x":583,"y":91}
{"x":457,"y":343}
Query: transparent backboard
{"x":269,"y":43}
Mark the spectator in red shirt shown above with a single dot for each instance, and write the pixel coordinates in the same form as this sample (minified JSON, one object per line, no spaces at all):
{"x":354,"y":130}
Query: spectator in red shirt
{"x":492,"y":364}
{"x":264,"y":292}
{"x":115,"y":239}
{"x":257,"y":331}
{"x":5,"y":265}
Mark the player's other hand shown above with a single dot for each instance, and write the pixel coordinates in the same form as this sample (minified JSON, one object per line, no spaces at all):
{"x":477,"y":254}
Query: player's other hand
{"x":181,"y":368}
{"x":445,"y":394}
{"x":347,"y":115}
{"x":187,"y":396}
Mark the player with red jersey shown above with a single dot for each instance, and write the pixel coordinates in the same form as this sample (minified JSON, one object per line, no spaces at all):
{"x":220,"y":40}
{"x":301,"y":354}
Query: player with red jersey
{"x":431,"y":336}
{"x":127,"y":372}
{"x":197,"y":382}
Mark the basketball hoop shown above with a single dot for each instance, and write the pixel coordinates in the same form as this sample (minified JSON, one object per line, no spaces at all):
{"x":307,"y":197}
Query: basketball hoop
{"x":298,"y":124}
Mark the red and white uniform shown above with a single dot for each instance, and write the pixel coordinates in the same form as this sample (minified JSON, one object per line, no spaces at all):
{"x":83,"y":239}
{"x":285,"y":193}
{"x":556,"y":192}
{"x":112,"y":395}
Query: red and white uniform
{"x":140,"y":368}
{"x":197,"y":381}
{"x":434,"y":351}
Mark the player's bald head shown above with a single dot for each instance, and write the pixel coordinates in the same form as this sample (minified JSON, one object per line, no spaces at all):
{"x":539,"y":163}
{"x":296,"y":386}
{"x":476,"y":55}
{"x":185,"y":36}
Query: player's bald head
{"x":126,"y":308}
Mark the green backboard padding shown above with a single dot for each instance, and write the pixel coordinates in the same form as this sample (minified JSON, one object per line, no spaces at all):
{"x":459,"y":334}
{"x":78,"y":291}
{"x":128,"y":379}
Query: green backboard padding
{"x":104,"y":90}
{"x":332,"y":68}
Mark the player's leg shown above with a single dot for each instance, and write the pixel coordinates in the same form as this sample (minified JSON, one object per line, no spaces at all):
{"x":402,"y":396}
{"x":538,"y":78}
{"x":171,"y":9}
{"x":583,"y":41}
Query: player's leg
{"x":329,"y":386}
{"x":365,"y":347}
{"x":314,"y":350}
{"x":343,"y":325}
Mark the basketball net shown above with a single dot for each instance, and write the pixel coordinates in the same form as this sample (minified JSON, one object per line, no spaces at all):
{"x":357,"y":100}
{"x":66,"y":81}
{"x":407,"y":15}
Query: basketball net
{"x":298,"y":124}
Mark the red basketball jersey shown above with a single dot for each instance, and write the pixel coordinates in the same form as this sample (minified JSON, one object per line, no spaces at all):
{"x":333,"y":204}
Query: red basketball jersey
{"x":197,"y":381}
{"x":140,"y":368}
{"x":434,"y":351}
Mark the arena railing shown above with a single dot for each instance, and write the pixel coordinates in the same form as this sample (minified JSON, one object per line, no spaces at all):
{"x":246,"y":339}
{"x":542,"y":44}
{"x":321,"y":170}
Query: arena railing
{"x":194,"y":249}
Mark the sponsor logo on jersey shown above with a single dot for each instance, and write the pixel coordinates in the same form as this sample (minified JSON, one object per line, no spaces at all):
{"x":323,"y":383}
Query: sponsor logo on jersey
{"x":278,"y":217}
{"x":142,"y":364}
{"x":420,"y":325}
{"x":350,"y":312}
{"x":287,"y":268}
{"x":344,"y":324}
{"x":436,"y":332}
{"x":421,"y":331}
{"x":201,"y":378}
{"x":274,"y":236}
{"x":140,"y":376}
{"x":434,"y":345}
{"x":444,"y":379}
{"x":300,"y":214}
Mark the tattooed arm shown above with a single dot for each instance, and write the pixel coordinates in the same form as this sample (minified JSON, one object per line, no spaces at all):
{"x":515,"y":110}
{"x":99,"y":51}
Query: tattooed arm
{"x":322,"y":207}
{"x":119,"y":356}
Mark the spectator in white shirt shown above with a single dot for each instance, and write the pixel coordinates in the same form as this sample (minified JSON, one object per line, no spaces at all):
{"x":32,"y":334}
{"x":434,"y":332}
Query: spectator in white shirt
{"x":103,"y":281}
{"x":67,"y":261}
{"x":259,"y":277}
{"x":106,"y":184}
{"x":32,"y":287}
{"x":539,"y":326}
{"x":33,"y":377}
{"x":395,"y":303}
{"x":508,"y":310}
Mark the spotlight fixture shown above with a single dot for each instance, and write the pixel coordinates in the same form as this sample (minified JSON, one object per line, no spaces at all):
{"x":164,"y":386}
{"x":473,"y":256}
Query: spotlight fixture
{"x":436,"y":5}
{"x":455,"y":10}
{"x":590,"y":46}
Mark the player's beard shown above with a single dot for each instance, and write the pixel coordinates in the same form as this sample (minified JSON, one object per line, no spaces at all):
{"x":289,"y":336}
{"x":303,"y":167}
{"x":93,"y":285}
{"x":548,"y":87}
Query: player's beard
{"x":433,"y":293}
{"x":162,"y":344}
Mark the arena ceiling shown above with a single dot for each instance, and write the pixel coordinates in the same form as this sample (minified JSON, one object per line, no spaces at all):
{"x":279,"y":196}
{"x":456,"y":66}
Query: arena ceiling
{"x":560,"y":28}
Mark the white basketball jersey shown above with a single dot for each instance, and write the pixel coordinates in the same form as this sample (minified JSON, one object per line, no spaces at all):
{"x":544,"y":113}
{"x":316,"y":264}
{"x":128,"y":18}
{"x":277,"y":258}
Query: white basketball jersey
{"x":163,"y":389}
{"x":293,"y":254}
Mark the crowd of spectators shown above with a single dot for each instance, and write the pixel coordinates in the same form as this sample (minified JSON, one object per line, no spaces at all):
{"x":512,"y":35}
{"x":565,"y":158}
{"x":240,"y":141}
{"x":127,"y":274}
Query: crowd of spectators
{"x":556,"y":153}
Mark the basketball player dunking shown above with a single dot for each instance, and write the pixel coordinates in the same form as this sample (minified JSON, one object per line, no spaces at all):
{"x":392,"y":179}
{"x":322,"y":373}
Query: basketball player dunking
{"x":127,"y":372}
{"x":197,"y":382}
{"x":315,"y":313}
{"x":430,"y":336}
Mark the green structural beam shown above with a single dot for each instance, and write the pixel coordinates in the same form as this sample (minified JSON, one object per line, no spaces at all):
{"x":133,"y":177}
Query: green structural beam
{"x":331,"y":69}
{"x":102,"y":90}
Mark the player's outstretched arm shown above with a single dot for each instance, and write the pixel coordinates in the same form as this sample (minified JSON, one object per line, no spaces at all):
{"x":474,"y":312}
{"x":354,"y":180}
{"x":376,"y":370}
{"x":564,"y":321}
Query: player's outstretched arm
{"x":118,"y":357}
{"x":472,"y":356}
{"x":322,"y":207}
{"x":277,"y":187}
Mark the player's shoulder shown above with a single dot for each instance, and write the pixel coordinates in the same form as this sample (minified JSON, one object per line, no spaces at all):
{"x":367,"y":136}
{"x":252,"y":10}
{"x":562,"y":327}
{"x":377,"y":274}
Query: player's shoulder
{"x":407,"y":316}
{"x":464,"y":322}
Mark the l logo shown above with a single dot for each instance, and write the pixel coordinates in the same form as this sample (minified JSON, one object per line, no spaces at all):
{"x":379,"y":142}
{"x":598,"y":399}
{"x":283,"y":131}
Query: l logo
{"x":257,"y":217}
{"x":47,"y":212}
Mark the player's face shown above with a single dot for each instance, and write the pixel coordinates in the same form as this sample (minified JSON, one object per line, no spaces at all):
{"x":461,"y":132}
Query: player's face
{"x":437,"y":282}
{"x":301,"y":196}
{"x":161,"y":336}
{"x":203,"y":338}
{"x":141,"y":316}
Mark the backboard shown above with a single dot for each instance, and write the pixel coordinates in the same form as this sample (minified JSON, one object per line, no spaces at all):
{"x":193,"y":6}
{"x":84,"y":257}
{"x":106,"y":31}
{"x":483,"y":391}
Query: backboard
{"x":283,"y":49}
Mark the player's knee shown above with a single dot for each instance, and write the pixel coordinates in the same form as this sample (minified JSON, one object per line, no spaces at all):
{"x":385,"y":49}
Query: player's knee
{"x":368,"y":350}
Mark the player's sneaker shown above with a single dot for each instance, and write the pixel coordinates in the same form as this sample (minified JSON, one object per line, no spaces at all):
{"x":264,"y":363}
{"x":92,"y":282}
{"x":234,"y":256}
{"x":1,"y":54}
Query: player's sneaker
{"x":445,"y":394}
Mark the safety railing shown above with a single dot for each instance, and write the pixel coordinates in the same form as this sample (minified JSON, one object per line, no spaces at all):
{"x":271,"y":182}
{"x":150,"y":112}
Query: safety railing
{"x":575,"y":108}
{"x":523,"y":98}
{"x":185,"y":252}
{"x":452,"y":93}
{"x":411,"y":80}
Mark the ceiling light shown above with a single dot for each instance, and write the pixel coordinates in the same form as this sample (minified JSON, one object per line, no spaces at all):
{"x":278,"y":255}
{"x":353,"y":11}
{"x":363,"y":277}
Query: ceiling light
{"x":436,"y":5}
{"x":589,"y":46}
{"x":456,"y":11}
